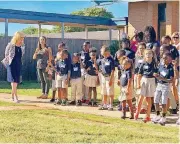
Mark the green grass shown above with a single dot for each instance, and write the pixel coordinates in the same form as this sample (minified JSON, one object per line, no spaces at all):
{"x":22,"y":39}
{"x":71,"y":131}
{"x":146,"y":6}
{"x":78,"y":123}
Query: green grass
{"x":2,"y":103}
{"x":52,"y":126}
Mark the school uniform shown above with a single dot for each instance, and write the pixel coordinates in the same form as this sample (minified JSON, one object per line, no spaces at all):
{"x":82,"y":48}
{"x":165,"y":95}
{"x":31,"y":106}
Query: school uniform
{"x":76,"y":82}
{"x":148,"y":85}
{"x":92,"y":76}
{"x":174,"y":52}
{"x":62,"y":67}
{"x":107,"y":66}
{"x":129,"y":53}
{"x":163,"y":88}
{"x":125,"y":76}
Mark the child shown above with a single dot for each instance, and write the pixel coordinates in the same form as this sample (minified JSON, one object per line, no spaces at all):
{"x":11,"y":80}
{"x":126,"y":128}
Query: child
{"x":91,"y":79}
{"x":163,"y":49}
{"x":139,"y":58}
{"x":107,"y":78}
{"x":165,"y":77}
{"x":125,"y":82}
{"x":62,"y":77}
{"x":51,"y":72}
{"x":76,"y":81}
{"x":148,"y":87}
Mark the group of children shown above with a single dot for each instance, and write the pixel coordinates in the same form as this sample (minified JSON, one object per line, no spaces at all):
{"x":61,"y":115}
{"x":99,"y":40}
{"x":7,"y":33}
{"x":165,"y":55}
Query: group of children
{"x":145,"y":76}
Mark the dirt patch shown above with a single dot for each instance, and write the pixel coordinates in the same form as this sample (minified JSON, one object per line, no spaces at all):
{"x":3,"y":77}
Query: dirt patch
{"x":8,"y":108}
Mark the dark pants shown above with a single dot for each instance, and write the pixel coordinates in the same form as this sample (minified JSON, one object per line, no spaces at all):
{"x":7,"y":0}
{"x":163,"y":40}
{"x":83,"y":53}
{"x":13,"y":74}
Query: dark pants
{"x":43,"y":75}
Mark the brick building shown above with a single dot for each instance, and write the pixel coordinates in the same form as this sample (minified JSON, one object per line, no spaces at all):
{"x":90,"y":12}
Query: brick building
{"x":162,"y":15}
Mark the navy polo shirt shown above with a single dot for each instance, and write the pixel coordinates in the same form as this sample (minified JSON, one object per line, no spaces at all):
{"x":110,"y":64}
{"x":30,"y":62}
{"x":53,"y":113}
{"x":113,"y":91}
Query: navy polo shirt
{"x":116,"y":61}
{"x":165,"y":72}
{"x":129,"y":53}
{"x":75,"y":70}
{"x":62,"y":67}
{"x":147,"y":69}
{"x":84,"y":57}
{"x":174,"y":52}
{"x":125,"y":76}
{"x":107,"y":65}
{"x":138,"y":62}
{"x":92,"y":70}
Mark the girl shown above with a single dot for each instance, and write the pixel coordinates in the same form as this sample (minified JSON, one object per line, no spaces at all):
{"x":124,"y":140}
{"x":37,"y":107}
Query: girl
{"x":125,"y":82}
{"x":145,"y":76}
{"x":13,"y":62}
{"x":139,"y":58}
{"x":62,"y":76}
{"x":42,"y":54}
{"x":91,"y":79}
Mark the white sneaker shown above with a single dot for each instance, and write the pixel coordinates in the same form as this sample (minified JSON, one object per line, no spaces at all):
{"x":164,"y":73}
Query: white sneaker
{"x":156,"y":118}
{"x":162,"y":121}
{"x":16,"y":100}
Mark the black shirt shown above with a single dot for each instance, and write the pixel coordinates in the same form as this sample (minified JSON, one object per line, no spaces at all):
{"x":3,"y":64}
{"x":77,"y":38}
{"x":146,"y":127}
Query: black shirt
{"x":84,"y":57}
{"x":125,"y":76}
{"x":107,"y":65}
{"x":92,"y":70}
{"x":75,"y":70}
{"x":147,"y":69}
{"x":129,"y":53}
{"x":165,"y":72}
{"x":174,"y":52}
{"x":62,"y":66}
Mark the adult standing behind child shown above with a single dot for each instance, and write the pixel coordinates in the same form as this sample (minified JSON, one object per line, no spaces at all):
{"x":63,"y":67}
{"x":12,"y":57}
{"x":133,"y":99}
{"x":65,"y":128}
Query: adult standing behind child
{"x":43,"y":54}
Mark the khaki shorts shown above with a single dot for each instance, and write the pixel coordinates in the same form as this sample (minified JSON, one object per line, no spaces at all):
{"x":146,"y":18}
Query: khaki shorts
{"x":148,"y":87}
{"x":90,"y":81}
{"x":61,"y":81}
{"x":105,"y":88}
{"x":53,"y":85}
{"x":123,"y":96}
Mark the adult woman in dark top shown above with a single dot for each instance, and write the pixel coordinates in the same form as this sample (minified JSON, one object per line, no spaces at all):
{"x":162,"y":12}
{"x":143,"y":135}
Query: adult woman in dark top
{"x":43,"y":54}
{"x":13,"y":62}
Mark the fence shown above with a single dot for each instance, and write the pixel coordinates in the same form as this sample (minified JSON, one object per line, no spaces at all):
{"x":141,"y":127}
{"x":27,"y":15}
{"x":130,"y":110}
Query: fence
{"x":29,"y":65}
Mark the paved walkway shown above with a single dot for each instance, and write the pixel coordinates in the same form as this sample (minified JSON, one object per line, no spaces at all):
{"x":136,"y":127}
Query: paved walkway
{"x":44,"y":103}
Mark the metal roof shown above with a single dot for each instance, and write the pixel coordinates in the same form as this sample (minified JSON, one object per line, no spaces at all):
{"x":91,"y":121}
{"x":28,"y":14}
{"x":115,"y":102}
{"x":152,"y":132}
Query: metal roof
{"x":30,"y":17}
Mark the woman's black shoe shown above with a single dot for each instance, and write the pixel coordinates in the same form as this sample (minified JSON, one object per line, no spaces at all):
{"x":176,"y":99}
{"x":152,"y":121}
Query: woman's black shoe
{"x":52,"y":100}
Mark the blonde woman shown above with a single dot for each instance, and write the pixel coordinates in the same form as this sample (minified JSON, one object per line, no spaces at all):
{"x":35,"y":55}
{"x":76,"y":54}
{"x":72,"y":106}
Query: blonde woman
{"x":176,"y":40}
{"x":13,"y":62}
{"x":43,"y":54}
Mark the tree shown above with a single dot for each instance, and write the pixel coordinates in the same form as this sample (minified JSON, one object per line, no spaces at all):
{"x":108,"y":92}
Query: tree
{"x":93,"y":11}
{"x":32,"y":30}
{"x":1,"y":35}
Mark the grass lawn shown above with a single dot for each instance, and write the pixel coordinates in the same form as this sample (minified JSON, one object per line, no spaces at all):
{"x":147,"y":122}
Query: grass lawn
{"x":33,"y":89}
{"x":48,"y":126}
{"x":2,"y":103}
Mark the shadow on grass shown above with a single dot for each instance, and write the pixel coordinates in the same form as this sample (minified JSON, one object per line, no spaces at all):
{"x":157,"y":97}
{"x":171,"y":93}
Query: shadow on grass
{"x":23,"y":85}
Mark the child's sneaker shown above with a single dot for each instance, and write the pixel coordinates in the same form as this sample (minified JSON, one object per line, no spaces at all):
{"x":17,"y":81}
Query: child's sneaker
{"x":52,"y":100}
{"x":72,"y":103}
{"x":103,"y":107}
{"x":110,"y":109}
{"x":94,"y":104}
{"x":58,"y":102}
{"x":119,"y":107}
{"x":64,"y":102}
{"x":132,"y":116}
{"x":79,"y":103}
{"x":156,"y":119}
{"x":162,"y":121}
{"x":147,"y":119}
{"x":89,"y":103}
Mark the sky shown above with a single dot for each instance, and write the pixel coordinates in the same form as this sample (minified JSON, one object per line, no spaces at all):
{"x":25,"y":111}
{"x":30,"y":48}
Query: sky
{"x":119,"y":9}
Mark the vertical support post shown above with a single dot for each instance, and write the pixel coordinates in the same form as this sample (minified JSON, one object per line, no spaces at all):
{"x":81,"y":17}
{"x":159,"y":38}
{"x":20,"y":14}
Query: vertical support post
{"x":62,"y":30}
{"x":86,"y":32}
{"x":110,"y":35}
{"x":6,"y":30}
{"x":126,"y":27}
{"x":39,"y":30}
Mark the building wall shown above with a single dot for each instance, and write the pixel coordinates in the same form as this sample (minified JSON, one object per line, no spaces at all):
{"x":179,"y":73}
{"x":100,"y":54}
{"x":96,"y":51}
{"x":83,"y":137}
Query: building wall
{"x":142,"y":14}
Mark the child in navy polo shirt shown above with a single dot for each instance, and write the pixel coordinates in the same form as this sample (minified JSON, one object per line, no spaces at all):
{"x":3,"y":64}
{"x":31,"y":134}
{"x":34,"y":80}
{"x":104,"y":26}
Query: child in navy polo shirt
{"x":139,"y":59}
{"x":163,"y":49}
{"x":76,"y":81}
{"x":125,"y":82}
{"x":164,"y":76}
{"x":147,"y":80}
{"x":91,"y":79}
{"x":63,"y":76}
{"x":107,"y":79}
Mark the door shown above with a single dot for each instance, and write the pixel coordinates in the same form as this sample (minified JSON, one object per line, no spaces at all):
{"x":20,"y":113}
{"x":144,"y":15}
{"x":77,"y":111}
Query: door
{"x":161,"y":20}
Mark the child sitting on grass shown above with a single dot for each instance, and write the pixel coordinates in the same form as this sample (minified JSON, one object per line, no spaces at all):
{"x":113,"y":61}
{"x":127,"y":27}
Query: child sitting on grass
{"x":125,"y":82}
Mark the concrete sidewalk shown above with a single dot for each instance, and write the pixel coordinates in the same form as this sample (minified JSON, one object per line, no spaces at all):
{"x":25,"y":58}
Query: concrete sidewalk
{"x":44,"y":103}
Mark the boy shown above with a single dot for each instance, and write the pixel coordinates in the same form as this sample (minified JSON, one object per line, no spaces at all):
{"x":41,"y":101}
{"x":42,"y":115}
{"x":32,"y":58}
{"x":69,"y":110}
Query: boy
{"x":76,"y":81}
{"x":165,"y":77}
{"x":63,"y":76}
{"x":107,"y":79}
